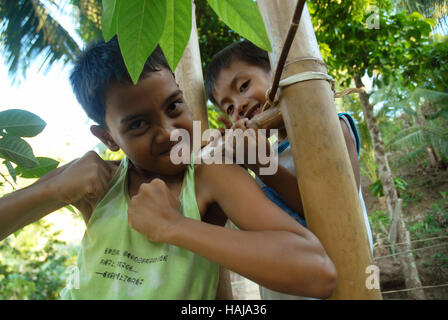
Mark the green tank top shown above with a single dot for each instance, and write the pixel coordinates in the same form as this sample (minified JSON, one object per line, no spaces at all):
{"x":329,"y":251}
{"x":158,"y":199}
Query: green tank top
{"x":117,"y":262}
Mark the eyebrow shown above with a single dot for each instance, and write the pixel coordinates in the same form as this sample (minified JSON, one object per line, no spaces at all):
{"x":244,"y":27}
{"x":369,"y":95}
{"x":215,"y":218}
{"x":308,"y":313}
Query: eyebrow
{"x":138,"y":115}
{"x":172,"y":96}
{"x":132,"y":117}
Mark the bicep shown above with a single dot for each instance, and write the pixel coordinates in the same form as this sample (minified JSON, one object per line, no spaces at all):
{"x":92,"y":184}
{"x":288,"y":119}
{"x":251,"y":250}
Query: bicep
{"x":245,"y":203}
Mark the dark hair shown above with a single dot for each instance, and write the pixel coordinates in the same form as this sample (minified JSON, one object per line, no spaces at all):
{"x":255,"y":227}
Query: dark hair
{"x":100,"y":65}
{"x":242,"y":50}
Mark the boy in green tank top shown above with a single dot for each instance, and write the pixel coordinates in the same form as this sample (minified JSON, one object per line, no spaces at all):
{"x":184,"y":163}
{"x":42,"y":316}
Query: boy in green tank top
{"x":155,"y":229}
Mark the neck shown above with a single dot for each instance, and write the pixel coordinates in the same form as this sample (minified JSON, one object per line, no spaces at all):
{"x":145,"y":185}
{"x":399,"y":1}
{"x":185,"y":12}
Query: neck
{"x":145,"y":176}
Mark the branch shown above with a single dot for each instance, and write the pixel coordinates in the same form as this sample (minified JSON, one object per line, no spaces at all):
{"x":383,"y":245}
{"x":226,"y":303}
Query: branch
{"x":3,"y":176}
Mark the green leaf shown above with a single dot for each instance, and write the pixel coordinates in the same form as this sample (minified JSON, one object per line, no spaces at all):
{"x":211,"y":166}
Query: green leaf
{"x":21,"y":123}
{"x":70,"y":208}
{"x":177,"y":30}
{"x":11,"y":170}
{"x":140,"y":26}
{"x":18,"y":151}
{"x":16,"y":234}
{"x":109,"y":18}
{"x":244,"y":18}
{"x":45,"y":165}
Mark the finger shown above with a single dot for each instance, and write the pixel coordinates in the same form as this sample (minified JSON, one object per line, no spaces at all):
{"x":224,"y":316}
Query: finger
{"x":226,"y":122}
{"x":241,"y":124}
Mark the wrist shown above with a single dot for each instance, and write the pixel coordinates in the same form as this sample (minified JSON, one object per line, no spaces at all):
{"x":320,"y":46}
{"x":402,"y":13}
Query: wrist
{"x":174,"y":233}
{"x":52,"y":190}
{"x":174,"y":229}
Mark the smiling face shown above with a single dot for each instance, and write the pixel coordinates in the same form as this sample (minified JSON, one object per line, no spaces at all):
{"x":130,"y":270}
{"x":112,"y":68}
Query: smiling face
{"x":240,"y":89}
{"x":140,"y":120}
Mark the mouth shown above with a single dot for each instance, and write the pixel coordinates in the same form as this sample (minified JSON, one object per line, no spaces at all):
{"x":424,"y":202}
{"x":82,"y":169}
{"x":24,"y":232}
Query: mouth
{"x":252,"y":111}
{"x":166,"y":150}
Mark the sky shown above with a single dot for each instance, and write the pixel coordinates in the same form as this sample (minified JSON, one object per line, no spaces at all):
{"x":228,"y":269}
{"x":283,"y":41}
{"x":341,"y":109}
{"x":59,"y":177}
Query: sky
{"x":48,"y":94}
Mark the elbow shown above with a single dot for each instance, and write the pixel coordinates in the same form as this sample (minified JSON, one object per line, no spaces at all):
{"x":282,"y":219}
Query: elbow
{"x":317,"y":276}
{"x":328,"y":279}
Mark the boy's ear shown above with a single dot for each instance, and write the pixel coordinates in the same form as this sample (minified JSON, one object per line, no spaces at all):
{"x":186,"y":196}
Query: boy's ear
{"x":105,"y":137}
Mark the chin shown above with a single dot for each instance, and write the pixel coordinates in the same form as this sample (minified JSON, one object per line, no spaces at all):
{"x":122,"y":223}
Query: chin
{"x":166,"y":167}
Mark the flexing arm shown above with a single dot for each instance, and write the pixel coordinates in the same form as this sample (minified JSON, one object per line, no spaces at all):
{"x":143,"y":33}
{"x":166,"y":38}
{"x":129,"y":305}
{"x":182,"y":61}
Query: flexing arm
{"x":80,"y":182}
{"x":270,"y":248}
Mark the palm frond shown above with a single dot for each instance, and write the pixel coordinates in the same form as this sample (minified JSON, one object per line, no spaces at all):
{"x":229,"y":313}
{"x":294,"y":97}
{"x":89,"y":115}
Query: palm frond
{"x":436,"y":9}
{"x":29,"y":30}
{"x":89,"y":19}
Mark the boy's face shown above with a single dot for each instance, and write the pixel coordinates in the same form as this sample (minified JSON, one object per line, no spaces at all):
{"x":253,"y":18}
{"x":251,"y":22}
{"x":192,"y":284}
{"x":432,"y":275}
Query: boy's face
{"x":140,"y":120}
{"x":240,"y":89}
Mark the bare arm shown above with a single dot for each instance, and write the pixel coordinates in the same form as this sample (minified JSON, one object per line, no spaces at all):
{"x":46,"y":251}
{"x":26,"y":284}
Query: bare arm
{"x":80,"y":182}
{"x":352,"y":153}
{"x":270,"y":248}
{"x":285,"y":184}
{"x":26,"y":206}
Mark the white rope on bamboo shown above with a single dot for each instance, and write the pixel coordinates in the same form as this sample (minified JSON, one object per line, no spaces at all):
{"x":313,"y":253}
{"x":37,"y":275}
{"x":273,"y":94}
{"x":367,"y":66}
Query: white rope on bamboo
{"x":306,"y":76}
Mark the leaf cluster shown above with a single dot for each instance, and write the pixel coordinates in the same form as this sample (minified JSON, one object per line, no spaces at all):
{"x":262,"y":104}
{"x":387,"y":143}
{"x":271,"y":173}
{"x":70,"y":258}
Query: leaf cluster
{"x":357,"y":49}
{"x":142,"y":24}
{"x":16,"y":124}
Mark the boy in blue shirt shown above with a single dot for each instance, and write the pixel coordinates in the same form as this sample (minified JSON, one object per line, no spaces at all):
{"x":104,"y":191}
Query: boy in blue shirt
{"x":236,"y":80}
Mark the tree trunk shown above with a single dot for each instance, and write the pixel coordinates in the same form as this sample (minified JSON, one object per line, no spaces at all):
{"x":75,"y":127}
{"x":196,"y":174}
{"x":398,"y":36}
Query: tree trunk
{"x":190,"y":79}
{"x":407,"y":261}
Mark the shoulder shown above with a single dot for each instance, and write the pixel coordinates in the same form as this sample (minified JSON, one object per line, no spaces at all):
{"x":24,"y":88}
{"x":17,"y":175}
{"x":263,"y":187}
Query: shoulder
{"x":217,"y":179}
{"x":220,"y":172}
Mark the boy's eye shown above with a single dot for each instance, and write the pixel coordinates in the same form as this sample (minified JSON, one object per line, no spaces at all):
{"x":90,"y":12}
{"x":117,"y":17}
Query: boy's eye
{"x":137,"y":124}
{"x":173,"y":107}
{"x":230,"y":109}
{"x":245,"y":85}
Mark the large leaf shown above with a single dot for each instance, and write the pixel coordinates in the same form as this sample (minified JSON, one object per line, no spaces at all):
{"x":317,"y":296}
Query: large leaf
{"x":109,"y":18}
{"x":18,"y":151}
{"x":177,"y":30}
{"x":45,"y":165}
{"x":244,"y":18}
{"x":140,"y":26}
{"x":20,"y":123}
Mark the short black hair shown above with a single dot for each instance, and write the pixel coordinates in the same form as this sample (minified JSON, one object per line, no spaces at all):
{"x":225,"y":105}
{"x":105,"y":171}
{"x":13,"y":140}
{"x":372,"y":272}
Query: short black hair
{"x":243,"y":50}
{"x":98,"y":67}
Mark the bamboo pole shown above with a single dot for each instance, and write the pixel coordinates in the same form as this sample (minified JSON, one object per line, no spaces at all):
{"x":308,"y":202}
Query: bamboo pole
{"x":324,"y":174}
{"x":189,"y":77}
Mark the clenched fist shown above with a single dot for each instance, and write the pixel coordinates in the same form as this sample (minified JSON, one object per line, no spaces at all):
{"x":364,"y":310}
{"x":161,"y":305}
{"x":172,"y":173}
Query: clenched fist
{"x":154,"y":211}
{"x":84,"y":181}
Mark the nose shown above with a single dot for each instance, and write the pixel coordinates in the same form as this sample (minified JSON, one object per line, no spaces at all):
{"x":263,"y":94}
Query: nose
{"x":241,"y":106}
{"x":164,"y":133}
